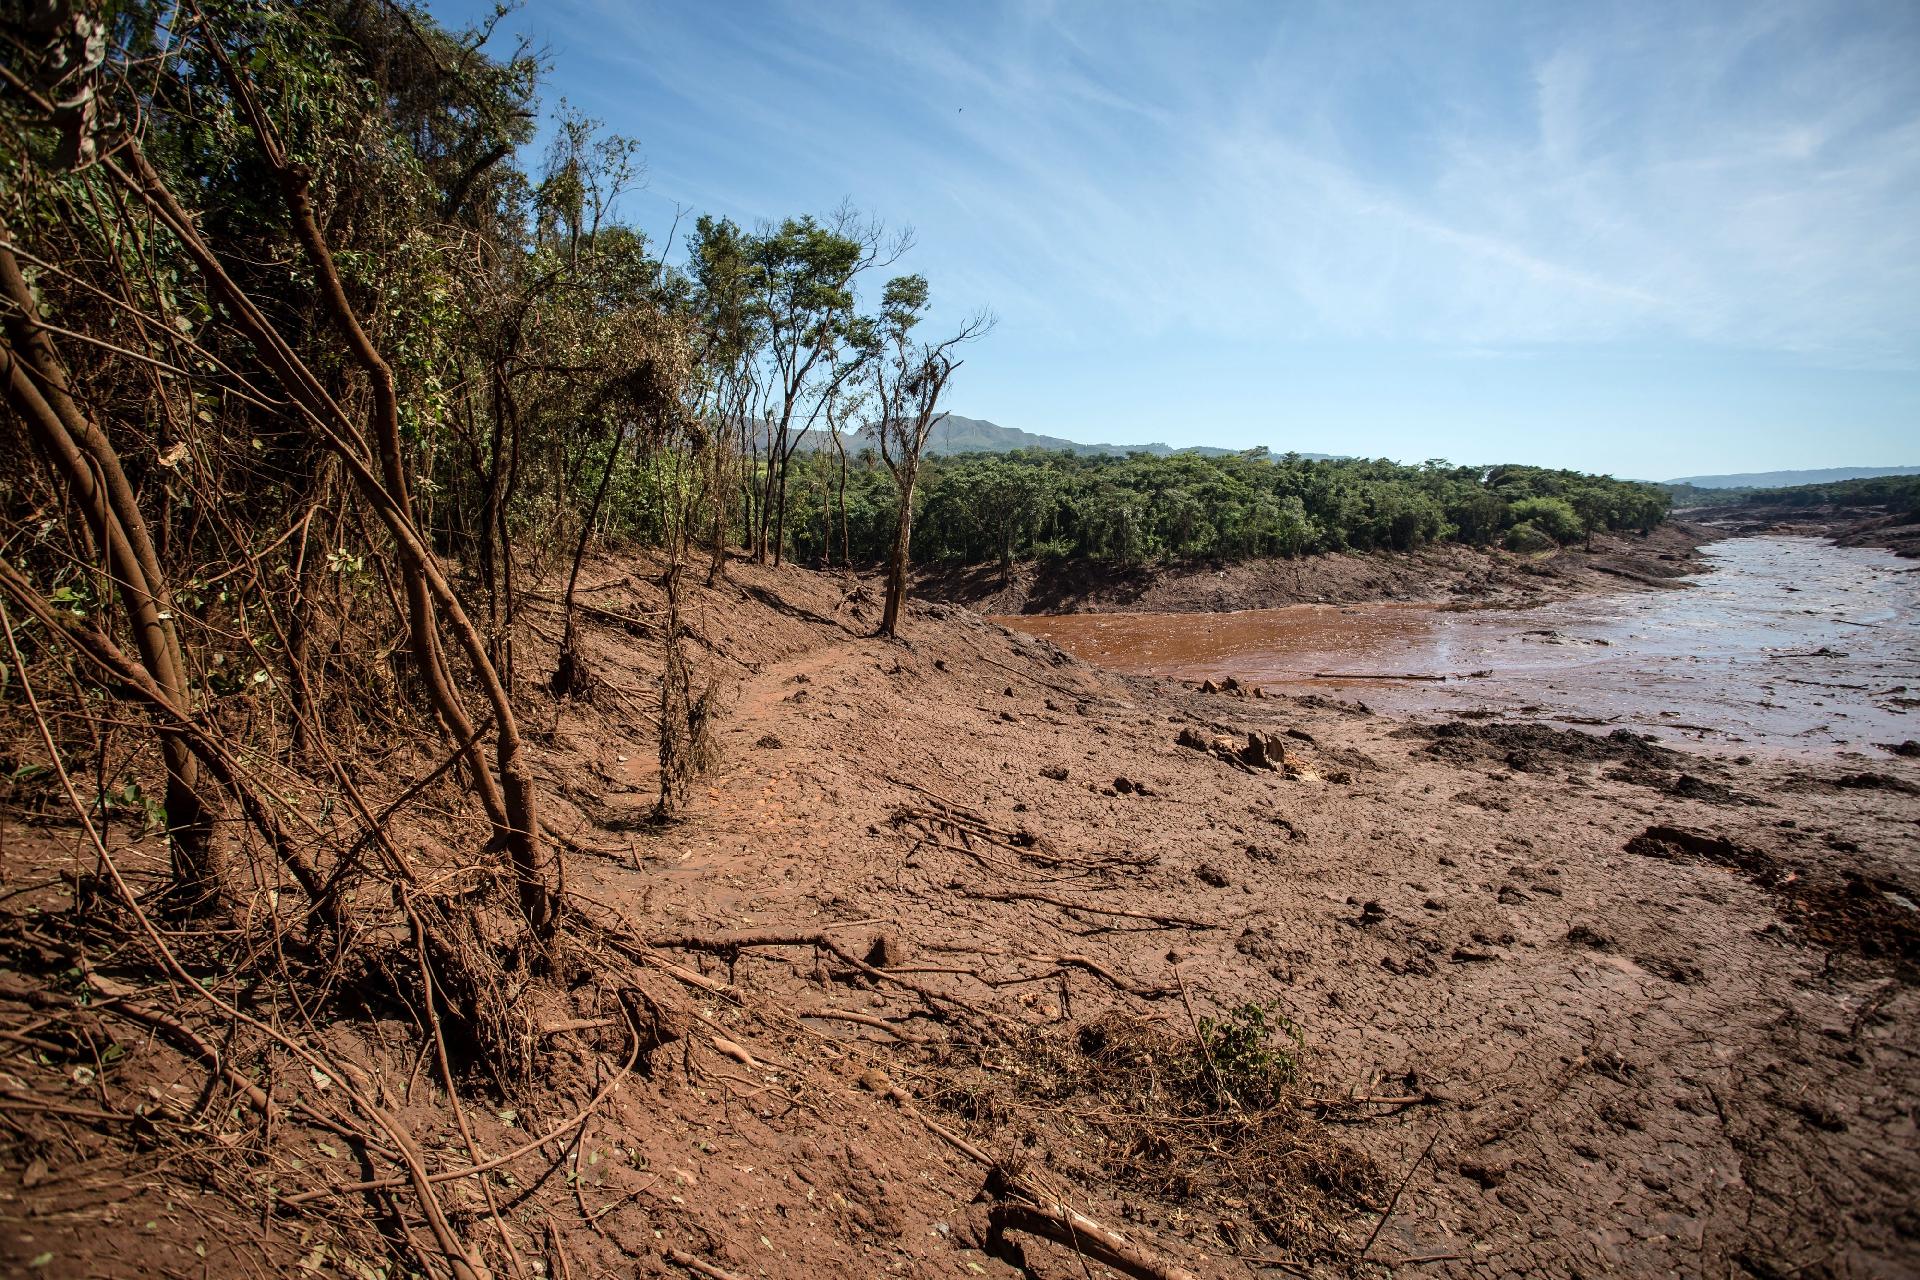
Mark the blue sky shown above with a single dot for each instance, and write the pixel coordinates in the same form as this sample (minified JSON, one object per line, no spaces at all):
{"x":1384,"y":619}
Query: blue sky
{"x":1649,"y":239}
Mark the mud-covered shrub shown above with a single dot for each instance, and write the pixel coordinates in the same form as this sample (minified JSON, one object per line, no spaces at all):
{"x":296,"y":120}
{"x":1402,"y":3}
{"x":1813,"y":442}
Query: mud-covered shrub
{"x":1525,"y":538}
{"x":1553,"y":518}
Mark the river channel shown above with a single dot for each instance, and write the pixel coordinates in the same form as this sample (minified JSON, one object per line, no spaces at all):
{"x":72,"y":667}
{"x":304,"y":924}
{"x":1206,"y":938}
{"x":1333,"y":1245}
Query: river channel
{"x":1783,"y":645}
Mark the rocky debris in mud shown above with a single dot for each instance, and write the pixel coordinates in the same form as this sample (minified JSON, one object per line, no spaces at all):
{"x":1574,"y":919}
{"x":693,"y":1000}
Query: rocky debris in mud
{"x":1371,"y":913}
{"x":769,"y":742}
{"x":1260,"y":751}
{"x":886,"y":952}
{"x":1232,"y":687}
{"x":1910,"y":749}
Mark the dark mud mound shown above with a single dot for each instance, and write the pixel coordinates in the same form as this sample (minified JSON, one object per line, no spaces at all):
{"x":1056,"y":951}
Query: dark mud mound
{"x":1539,"y":748}
{"x":1876,"y":782}
{"x":1535,"y":748}
{"x":1681,"y":786}
{"x":1841,"y":909}
{"x":1684,"y":844}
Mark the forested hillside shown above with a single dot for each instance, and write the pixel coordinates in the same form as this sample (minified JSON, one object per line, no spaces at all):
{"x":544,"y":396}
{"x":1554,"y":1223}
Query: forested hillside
{"x":982,"y":507}
{"x":1898,"y":492}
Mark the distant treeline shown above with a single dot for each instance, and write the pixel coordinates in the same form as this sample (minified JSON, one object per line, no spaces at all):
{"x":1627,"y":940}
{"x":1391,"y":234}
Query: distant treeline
{"x":1898,"y":493}
{"x":976,"y":508}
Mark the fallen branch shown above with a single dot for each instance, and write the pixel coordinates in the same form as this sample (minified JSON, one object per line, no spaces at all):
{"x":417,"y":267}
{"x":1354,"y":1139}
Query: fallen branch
{"x":680,"y":1258}
{"x":1394,"y":1203}
{"x":731,"y":944}
{"x":1054,"y":1222}
{"x":1022,"y":895}
{"x":1101,"y":972}
{"x":867,"y":1020}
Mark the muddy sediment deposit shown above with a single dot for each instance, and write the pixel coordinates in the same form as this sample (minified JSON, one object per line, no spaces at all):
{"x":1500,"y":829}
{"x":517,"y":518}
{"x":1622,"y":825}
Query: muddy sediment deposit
{"x":967,"y":908}
{"x":1439,"y":574}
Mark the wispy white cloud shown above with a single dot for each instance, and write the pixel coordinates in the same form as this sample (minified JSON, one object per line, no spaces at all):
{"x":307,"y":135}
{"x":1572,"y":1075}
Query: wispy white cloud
{"x":1739,"y":177}
{"x":1750,"y":179}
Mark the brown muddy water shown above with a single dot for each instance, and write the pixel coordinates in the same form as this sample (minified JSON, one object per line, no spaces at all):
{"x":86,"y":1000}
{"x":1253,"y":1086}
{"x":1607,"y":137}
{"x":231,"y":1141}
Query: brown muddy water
{"x":1783,"y":645}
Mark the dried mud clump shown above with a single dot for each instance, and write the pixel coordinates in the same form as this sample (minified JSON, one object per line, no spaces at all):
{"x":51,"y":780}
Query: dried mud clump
{"x":1840,"y":909}
{"x":1211,"y":1122}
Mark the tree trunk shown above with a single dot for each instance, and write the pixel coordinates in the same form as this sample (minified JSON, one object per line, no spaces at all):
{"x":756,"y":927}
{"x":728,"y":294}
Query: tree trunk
{"x":569,"y":674}
{"x":36,"y":385}
{"x":517,"y":828}
{"x":780,"y":512}
{"x":897,"y":562}
{"x":846,"y":536}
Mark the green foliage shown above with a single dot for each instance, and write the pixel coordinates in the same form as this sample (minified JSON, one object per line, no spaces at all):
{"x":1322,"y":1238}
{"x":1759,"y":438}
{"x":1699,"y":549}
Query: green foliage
{"x":1899,"y":494}
{"x":1525,"y":539}
{"x":1243,"y":1053}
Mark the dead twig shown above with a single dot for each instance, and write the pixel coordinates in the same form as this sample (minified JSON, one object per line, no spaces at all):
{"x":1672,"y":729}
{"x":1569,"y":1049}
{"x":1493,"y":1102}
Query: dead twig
{"x":1394,"y":1202}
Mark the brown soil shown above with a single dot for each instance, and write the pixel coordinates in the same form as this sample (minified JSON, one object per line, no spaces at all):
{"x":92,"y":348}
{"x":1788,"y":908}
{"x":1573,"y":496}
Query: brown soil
{"x":1562,"y":1015}
{"x":1434,"y":574}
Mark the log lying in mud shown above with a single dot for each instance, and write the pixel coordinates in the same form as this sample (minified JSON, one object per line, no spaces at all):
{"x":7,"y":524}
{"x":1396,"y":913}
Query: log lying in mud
{"x":1084,"y":1236}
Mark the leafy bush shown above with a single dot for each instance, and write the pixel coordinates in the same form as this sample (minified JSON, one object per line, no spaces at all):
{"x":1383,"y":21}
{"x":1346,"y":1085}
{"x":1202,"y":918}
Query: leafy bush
{"x":1242,"y":1055}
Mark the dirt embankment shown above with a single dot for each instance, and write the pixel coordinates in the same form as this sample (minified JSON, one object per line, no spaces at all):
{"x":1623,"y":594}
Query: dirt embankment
{"x":1846,"y":526}
{"x":1435,"y":574}
{"x":961,"y":925}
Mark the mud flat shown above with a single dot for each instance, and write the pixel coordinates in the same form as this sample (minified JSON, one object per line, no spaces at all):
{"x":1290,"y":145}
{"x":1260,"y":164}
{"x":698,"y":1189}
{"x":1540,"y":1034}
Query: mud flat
{"x":1550,"y":1002}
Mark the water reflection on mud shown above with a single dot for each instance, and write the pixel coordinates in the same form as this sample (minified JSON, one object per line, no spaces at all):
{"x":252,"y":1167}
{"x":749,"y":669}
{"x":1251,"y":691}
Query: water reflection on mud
{"x":1785,"y":644}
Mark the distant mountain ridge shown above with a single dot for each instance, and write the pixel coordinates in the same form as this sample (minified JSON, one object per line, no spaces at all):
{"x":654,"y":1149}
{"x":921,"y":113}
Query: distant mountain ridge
{"x":956,"y":434}
{"x":1783,"y":479}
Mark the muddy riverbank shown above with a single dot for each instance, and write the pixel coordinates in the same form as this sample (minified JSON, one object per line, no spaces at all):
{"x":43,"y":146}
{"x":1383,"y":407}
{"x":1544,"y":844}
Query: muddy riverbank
{"x":1446,"y":573}
{"x":1554,"y":1003}
{"x":1845,"y":526}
